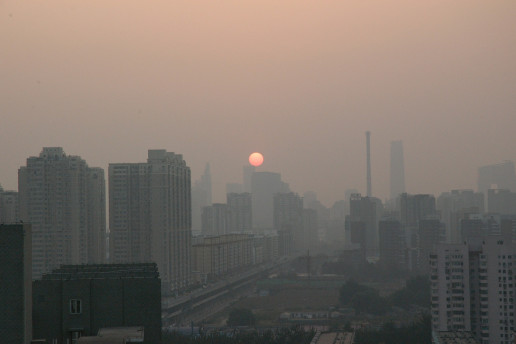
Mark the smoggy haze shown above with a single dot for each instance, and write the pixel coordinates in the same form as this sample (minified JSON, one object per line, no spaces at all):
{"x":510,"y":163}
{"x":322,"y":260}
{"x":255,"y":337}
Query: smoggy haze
{"x":299,"y":81}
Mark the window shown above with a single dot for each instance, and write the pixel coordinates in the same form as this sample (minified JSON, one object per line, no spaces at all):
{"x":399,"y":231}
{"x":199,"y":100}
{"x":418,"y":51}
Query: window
{"x":75,"y":306}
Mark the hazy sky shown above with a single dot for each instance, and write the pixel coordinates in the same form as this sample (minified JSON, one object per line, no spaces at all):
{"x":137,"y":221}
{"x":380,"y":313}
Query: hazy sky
{"x":300,"y":81}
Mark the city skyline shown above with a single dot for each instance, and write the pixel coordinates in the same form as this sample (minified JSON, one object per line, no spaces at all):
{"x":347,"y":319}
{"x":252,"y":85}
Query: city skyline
{"x":298,"y":82}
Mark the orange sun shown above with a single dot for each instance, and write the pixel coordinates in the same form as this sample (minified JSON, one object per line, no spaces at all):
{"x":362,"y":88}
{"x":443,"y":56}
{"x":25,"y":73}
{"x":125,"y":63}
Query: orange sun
{"x":256,"y":159}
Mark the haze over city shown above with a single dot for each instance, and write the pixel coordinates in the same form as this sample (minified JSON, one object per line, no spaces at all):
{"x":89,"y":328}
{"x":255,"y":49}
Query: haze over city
{"x":298,"y":81}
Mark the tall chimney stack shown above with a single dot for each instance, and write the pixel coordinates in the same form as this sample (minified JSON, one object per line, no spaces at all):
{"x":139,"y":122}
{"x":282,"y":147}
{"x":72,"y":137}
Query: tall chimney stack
{"x":368,"y":143}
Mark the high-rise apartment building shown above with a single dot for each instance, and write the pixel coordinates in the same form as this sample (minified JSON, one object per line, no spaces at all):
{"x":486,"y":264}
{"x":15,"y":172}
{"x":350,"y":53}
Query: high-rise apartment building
{"x":150,"y":215}
{"x":15,"y":283}
{"x":64,"y":200}
{"x":240,"y":212}
{"x":473,"y":289}
{"x":397,"y":169}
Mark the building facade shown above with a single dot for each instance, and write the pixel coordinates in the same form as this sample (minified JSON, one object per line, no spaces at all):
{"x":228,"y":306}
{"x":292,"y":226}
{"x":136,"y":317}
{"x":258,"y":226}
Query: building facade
{"x":393,"y":249}
{"x":150,"y":215}
{"x":240,"y":212}
{"x":78,"y":300}
{"x":64,"y":200}
{"x":15,"y":283}
{"x":264,"y":185}
{"x":473,"y":288}
{"x":9,"y":209}
{"x":216,"y":256}
{"x":215,"y":219}
{"x":288,"y":216}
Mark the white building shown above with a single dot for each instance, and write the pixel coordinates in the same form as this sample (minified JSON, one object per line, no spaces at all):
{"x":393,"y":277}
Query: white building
{"x":64,"y":200}
{"x":150,"y":215}
{"x":473,"y":289}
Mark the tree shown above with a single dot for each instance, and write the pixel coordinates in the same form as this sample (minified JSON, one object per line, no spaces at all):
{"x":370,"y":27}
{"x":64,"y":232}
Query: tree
{"x":241,"y":317}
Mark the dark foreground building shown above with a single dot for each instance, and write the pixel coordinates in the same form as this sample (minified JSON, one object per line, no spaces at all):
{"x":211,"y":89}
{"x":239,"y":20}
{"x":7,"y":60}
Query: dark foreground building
{"x":15,"y":283}
{"x":78,"y":300}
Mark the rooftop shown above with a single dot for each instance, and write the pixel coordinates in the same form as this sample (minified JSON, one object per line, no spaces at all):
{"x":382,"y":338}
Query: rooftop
{"x":103,"y":271}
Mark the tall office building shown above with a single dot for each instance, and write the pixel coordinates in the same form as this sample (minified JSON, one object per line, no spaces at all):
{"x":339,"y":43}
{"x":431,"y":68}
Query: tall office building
{"x":397,"y":169}
{"x":453,"y":205}
{"x":393,"y":249}
{"x":9,"y":210}
{"x":150,"y":215}
{"x":288,"y":216}
{"x":412,"y":209}
{"x":15,"y":283}
{"x":264,"y":185}
{"x":234,"y":188}
{"x":502,"y":175}
{"x":501,"y":201}
{"x":201,"y":197}
{"x":247,"y":172}
{"x":215,"y":219}
{"x":473,"y":289}
{"x":240,"y":212}
{"x":368,"y":211}
{"x":64,"y":200}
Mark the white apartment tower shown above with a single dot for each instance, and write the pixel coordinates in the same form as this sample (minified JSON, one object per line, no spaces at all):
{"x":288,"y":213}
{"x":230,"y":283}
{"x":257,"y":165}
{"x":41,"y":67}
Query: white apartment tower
{"x":150,"y":215}
{"x":473,"y":289}
{"x":64,"y":200}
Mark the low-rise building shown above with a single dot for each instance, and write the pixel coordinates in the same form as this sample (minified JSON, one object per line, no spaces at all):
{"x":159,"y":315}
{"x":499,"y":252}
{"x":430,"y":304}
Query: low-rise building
{"x":78,"y":300}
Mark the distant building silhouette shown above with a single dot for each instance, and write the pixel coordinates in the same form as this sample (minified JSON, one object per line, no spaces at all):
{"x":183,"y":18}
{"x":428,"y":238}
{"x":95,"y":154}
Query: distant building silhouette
{"x":65,"y":202}
{"x":412,"y":209}
{"x":288,"y":216}
{"x":15,"y":283}
{"x":214,"y":219}
{"x":453,"y":205}
{"x":234,"y":188}
{"x":397,"y":169}
{"x":393,"y":249}
{"x":367,"y":210}
{"x":264,"y":186}
{"x":9,"y":208}
{"x":240,"y":212}
{"x":502,"y":176}
{"x":201,"y":197}
{"x":501,"y":201}
{"x":150,"y":215}
{"x":248,"y":171}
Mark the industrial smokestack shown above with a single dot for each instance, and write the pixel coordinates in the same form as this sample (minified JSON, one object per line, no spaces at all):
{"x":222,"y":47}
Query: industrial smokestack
{"x":368,"y":143}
